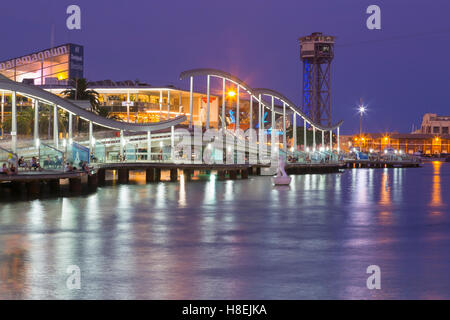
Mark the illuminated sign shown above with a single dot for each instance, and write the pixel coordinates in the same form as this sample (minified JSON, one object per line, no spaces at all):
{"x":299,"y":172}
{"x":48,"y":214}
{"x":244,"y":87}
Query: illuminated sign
{"x":35,"y":57}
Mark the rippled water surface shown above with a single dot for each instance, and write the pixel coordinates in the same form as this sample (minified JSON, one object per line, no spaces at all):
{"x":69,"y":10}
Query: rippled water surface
{"x":242,"y":239}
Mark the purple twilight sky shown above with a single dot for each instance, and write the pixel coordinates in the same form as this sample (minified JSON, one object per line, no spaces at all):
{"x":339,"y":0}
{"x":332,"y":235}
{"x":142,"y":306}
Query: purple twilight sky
{"x":400,"y":71}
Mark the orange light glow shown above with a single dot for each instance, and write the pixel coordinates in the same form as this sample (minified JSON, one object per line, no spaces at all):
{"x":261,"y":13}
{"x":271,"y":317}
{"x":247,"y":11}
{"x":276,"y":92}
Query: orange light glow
{"x":231,"y":93}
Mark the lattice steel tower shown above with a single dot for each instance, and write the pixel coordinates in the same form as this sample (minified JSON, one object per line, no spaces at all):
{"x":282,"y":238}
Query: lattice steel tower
{"x":317,"y":52}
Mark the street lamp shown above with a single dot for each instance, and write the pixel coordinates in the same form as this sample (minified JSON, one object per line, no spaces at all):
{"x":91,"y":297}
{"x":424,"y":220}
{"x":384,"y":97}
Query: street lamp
{"x":362,"y":109}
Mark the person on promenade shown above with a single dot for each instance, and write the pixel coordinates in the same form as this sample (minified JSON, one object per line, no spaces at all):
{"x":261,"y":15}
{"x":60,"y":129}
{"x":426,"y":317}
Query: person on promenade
{"x":12,"y":170}
{"x":68,"y":167}
{"x":34,"y":164}
{"x":12,"y":160}
{"x":4,"y":169}
{"x":23,"y":164}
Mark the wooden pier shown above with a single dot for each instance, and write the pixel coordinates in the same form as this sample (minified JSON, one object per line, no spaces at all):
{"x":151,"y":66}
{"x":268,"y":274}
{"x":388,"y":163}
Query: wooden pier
{"x":33,"y":181}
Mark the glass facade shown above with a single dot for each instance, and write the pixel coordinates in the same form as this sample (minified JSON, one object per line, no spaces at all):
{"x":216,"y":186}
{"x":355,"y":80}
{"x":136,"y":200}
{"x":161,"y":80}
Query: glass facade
{"x":53,"y":66}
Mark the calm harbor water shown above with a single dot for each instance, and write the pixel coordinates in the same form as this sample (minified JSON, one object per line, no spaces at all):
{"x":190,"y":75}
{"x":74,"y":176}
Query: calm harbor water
{"x":242,"y":239}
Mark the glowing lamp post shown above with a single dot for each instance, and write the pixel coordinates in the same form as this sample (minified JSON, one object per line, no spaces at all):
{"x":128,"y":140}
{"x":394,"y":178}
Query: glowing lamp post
{"x":361,"y":110}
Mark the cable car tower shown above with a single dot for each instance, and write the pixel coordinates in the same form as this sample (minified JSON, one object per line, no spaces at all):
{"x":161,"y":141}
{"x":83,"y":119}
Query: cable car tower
{"x":317,"y":52}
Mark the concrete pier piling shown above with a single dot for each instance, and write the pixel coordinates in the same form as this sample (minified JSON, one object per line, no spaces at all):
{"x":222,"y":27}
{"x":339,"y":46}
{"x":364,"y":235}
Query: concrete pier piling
{"x":53,"y":185}
{"x":16,"y":187}
{"x":75,"y":185}
{"x":187,"y":174}
{"x":157,"y":175}
{"x":149,"y":175}
{"x":233,"y":174}
{"x":221,"y":175}
{"x":33,"y":188}
{"x":101,"y":176}
{"x":123,"y":175}
{"x":93,"y":181}
{"x":173,"y":175}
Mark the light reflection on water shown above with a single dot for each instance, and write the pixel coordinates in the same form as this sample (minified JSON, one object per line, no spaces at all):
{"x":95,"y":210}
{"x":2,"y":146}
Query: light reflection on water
{"x":242,"y":239}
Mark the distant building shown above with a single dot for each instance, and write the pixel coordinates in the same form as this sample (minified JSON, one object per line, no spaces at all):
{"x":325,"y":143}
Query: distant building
{"x":434,"y":124}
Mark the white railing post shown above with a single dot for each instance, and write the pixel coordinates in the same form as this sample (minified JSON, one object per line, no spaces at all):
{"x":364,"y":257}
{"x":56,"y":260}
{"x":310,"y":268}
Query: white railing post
{"x":294,"y":132}
{"x":337,"y":140}
{"x":36,"y":121}
{"x":331,"y":140}
{"x":172,"y":142}
{"x":191,"y":107}
{"x":70,"y":127}
{"x":251,"y":113}
{"x":149,"y":146}
{"x":168,"y":104}
{"x":314,"y":138}
{"x":55,"y":125}
{"x":208,"y":83}
{"x":237,"y":109}
{"x":223,"y":104}
{"x":284,"y":126}
{"x":14,"y":122}
{"x":305,"y":144}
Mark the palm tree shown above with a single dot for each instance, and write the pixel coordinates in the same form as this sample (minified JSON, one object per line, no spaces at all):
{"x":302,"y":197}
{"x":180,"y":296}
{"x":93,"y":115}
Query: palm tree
{"x":81,"y":92}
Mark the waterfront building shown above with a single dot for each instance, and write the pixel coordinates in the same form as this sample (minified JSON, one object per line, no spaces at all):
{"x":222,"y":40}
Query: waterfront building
{"x":433,"y":137}
{"x":52,"y":66}
{"x":404,"y":142}
{"x":434,"y":124}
